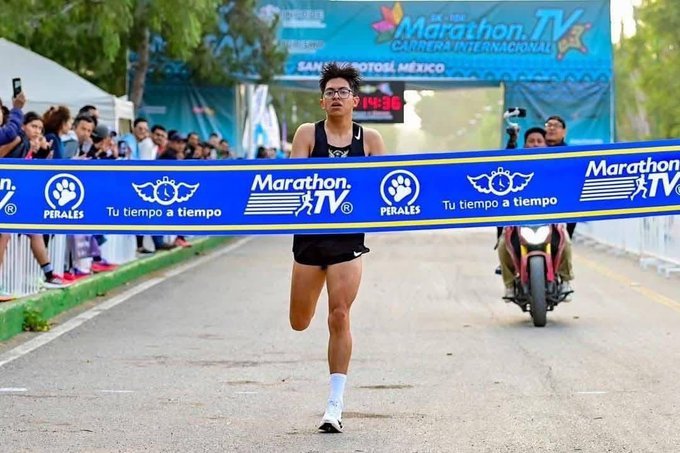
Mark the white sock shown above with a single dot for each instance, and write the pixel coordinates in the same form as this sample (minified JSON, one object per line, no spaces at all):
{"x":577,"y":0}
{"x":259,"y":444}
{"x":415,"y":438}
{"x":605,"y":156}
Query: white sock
{"x":337,"y":387}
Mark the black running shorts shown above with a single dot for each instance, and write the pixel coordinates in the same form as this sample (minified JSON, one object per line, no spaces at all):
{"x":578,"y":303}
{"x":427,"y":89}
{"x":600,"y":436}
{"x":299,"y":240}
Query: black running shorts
{"x":326,"y":249}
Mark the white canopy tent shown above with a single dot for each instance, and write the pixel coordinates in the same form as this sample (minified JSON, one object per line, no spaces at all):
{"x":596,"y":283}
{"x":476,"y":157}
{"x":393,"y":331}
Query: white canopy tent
{"x":47,"y":83}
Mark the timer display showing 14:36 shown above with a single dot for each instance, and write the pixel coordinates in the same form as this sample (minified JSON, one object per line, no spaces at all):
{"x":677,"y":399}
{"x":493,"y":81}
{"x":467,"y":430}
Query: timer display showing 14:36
{"x":380,"y":102}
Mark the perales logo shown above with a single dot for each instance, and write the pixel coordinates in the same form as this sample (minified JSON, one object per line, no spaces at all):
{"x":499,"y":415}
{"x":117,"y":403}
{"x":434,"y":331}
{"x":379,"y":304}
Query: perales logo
{"x":64,"y":193}
{"x":399,"y":190}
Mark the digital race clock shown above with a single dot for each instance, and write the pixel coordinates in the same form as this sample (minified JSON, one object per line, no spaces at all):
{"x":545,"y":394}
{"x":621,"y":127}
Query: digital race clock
{"x":380,"y":102}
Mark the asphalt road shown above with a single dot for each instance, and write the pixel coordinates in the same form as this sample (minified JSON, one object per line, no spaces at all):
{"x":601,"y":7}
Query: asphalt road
{"x":206,"y":361}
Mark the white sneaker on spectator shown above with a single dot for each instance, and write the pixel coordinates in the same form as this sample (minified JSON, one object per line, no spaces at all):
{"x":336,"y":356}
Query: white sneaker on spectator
{"x":332,"y":418}
{"x":55,"y":282}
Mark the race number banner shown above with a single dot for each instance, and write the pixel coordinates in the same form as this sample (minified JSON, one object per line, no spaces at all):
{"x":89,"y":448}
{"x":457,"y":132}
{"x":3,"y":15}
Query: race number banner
{"x":369,"y":194}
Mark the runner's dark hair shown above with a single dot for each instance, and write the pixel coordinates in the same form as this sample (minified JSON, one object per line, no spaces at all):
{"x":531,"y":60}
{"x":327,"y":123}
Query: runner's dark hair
{"x":335,"y":71}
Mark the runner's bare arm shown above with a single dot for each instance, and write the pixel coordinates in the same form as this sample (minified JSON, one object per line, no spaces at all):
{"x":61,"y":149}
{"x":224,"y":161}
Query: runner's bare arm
{"x":303,"y":141}
{"x":375,"y":146}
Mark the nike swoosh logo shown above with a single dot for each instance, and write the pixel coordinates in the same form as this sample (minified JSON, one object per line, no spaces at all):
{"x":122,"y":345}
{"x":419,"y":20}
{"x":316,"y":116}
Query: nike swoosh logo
{"x":358,"y":136}
{"x":357,"y":254}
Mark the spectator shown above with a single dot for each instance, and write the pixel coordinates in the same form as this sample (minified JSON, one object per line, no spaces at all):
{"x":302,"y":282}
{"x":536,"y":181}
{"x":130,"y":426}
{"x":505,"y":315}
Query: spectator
{"x":102,"y":144}
{"x":175,"y":151}
{"x":214,"y":140}
{"x":224,"y":152}
{"x":10,"y":124}
{"x":30,"y":142}
{"x":138,"y":142}
{"x":198,"y":151}
{"x":159,"y":136}
{"x":192,"y":142}
{"x":102,"y":148}
{"x":57,"y":122}
{"x":556,"y":131}
{"x":79,"y":142}
{"x":91,"y":111}
{"x":177,"y":145}
{"x":139,"y":146}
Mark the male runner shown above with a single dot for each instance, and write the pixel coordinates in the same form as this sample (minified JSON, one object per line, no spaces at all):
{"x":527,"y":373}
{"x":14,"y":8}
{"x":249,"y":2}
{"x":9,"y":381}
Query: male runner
{"x":331,"y":259}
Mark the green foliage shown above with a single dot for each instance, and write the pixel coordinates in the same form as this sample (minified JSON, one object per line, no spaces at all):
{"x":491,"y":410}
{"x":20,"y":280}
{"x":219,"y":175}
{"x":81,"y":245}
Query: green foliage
{"x":246,"y":45}
{"x":84,"y":36}
{"x":646,"y":70}
{"x":94,"y":37}
{"x":296,"y":107}
{"x":34,"y":321}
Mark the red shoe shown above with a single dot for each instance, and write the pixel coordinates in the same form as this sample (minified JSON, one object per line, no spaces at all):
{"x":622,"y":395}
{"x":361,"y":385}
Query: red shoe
{"x":179,"y":242}
{"x":74,"y":276}
{"x":102,"y":266}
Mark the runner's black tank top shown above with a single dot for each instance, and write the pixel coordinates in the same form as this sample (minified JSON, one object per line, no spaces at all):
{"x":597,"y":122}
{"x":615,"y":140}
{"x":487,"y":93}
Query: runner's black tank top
{"x":323,"y":149}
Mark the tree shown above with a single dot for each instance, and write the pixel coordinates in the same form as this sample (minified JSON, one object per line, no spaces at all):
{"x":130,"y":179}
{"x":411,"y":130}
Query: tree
{"x":647,"y":68}
{"x":179,"y":23}
{"x":296,"y":107}
{"x":215,"y":41}
{"x":241,"y":41}
{"x":87,"y":37}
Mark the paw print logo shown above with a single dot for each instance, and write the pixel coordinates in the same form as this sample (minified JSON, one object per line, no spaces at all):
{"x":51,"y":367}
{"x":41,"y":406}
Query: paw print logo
{"x":400,"y":187}
{"x":64,"y":191}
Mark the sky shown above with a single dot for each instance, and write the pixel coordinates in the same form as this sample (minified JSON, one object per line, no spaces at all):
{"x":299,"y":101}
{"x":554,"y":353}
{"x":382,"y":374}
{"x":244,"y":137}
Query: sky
{"x":622,"y":11}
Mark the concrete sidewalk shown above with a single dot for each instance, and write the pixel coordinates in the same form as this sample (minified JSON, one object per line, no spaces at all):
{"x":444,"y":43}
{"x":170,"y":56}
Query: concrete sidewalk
{"x":53,"y":302}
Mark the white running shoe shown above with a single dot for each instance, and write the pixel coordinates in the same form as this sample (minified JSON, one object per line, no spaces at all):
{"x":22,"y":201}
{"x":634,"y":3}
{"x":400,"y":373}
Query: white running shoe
{"x":332,"y":418}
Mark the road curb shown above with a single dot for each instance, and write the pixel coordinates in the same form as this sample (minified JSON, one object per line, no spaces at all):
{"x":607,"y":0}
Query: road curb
{"x":53,"y":302}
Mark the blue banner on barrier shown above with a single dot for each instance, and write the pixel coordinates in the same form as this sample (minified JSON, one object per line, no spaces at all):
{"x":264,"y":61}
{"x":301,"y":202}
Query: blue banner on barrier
{"x":342,"y":195}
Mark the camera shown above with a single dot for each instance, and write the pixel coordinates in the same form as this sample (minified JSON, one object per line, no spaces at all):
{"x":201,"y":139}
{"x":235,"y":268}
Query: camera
{"x":513,"y":112}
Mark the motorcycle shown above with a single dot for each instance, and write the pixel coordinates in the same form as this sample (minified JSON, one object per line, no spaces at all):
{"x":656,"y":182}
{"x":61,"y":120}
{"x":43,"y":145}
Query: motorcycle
{"x":537,"y":252}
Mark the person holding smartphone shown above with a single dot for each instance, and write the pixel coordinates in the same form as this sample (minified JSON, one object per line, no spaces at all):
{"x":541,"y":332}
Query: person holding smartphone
{"x":11,"y":122}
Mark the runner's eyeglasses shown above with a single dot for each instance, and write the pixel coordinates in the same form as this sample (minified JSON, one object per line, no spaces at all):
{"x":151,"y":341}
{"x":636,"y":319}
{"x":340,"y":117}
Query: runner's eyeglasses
{"x":343,"y":93}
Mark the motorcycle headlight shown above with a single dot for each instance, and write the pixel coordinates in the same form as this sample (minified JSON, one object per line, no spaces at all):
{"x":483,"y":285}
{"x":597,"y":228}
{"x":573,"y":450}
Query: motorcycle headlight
{"x":535,"y":237}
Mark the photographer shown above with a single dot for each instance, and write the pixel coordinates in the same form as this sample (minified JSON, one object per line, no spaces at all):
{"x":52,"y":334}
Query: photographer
{"x":513,"y":131}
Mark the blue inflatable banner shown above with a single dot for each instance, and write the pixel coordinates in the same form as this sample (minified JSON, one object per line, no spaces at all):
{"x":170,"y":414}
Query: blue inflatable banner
{"x":371,"y":194}
{"x":456,"y":40}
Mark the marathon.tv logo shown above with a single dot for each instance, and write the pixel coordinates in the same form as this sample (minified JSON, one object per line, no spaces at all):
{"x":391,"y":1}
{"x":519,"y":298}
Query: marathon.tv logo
{"x":7,"y":190}
{"x":399,"y":190}
{"x":631,"y":180}
{"x":310,"y":195}
{"x":64,"y":193}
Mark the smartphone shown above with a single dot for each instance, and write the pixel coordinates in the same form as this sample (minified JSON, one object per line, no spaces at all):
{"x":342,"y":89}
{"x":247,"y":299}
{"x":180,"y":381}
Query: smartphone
{"x":16,"y":86}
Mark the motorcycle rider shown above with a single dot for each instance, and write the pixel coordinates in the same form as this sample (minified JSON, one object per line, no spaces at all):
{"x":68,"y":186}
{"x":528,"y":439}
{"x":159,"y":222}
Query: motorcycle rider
{"x":555,"y":133}
{"x":534,"y":138}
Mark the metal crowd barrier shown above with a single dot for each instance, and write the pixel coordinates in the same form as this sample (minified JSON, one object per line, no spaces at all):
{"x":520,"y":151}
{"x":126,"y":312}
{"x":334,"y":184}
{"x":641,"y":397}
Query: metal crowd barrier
{"x":20,"y":274}
{"x":654,"y":241}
